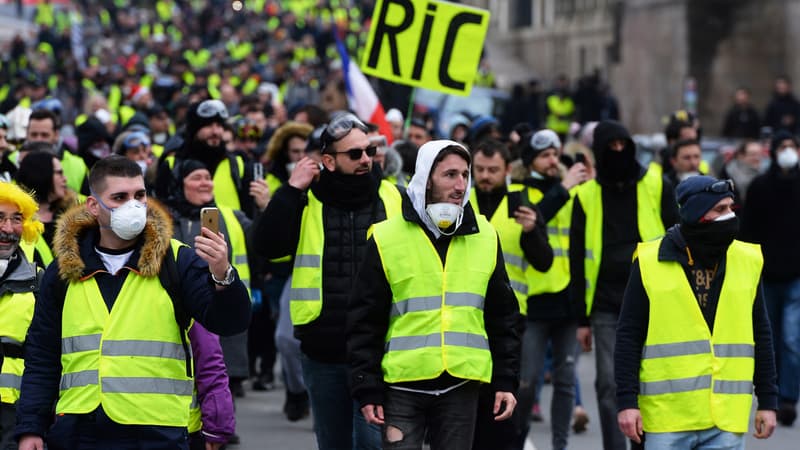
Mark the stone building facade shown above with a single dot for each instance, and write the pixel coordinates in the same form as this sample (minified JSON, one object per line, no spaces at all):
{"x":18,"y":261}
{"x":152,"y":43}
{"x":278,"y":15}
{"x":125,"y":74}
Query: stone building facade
{"x":648,"y":49}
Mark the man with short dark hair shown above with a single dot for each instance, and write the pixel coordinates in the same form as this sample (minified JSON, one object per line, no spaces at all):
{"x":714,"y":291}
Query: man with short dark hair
{"x":432,"y":314}
{"x":322,"y":218}
{"x":685,"y":159}
{"x":107,"y":345}
{"x":43,"y":126}
{"x":418,"y":132}
{"x":693,"y":337}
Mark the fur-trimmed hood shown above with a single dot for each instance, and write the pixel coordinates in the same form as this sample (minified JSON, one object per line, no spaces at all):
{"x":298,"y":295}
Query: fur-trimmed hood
{"x":74,"y":223}
{"x":277,"y":142}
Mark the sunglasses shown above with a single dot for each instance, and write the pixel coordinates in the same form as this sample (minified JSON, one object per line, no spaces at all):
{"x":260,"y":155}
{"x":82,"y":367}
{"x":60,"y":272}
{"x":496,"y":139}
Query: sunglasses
{"x":720,"y":187}
{"x":212,"y":108}
{"x":355,"y":153}
{"x":339,"y":127}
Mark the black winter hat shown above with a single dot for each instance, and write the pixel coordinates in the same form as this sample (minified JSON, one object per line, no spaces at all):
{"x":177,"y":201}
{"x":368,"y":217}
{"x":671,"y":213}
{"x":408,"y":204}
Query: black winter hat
{"x":698,"y":194}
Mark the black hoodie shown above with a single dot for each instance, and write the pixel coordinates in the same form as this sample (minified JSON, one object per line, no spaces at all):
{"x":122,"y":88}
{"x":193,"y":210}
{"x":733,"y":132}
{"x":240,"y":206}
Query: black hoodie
{"x":617,"y":173}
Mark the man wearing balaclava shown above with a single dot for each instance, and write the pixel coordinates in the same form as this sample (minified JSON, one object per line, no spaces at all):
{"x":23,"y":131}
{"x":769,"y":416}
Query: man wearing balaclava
{"x":432,"y":314}
{"x":772,"y":220}
{"x":322,"y":217}
{"x":624,"y":205}
{"x":202,"y":141}
{"x":693,"y":339}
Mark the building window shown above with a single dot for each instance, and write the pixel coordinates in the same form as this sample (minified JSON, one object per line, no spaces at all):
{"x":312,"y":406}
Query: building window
{"x":521,"y":14}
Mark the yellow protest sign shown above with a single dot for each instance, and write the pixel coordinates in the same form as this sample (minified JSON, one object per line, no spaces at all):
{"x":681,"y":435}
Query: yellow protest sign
{"x":432,"y":44}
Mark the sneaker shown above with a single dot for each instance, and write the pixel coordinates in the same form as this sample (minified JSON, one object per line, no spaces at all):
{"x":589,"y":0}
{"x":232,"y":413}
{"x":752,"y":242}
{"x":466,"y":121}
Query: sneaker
{"x":264,"y":383}
{"x":579,"y":420}
{"x":787,"y":414}
{"x":536,"y":413}
{"x":296,"y":406}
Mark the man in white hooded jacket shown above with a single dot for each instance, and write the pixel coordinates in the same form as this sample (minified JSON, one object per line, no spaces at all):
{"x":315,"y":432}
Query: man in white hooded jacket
{"x":432,"y":314}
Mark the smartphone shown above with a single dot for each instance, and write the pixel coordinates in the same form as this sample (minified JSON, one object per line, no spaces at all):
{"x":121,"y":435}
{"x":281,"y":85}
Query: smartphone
{"x":514,"y":202}
{"x":258,"y":171}
{"x":580,"y":158}
{"x":209,"y":218}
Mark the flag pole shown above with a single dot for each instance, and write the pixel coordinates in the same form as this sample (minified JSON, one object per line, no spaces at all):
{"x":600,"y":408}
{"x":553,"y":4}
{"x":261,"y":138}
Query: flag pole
{"x":409,"y":112}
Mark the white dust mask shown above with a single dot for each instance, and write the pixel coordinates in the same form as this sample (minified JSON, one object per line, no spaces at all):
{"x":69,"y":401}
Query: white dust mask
{"x":127,"y":220}
{"x":787,"y":158}
{"x":444,"y":215}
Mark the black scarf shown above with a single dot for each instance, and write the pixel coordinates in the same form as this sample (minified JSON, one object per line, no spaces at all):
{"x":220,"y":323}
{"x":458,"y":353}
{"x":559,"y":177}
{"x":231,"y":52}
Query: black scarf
{"x":709,"y":241}
{"x":348,"y":192}
{"x":618,"y":167}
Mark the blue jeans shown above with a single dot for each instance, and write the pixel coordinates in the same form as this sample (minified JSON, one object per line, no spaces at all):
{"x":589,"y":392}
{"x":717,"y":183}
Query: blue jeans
{"x":711,"y":439}
{"x":783,"y":306}
{"x":604,"y":330}
{"x":338,"y":422}
{"x":449,"y":418}
{"x":561,"y":335}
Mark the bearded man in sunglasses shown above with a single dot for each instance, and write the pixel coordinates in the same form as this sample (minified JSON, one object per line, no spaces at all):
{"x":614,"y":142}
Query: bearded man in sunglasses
{"x":321,"y":216}
{"x":693,"y":337}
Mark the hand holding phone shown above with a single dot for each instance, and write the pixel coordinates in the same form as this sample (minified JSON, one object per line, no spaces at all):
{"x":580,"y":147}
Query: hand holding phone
{"x":258,"y":171}
{"x":209,"y":218}
{"x":580,"y":158}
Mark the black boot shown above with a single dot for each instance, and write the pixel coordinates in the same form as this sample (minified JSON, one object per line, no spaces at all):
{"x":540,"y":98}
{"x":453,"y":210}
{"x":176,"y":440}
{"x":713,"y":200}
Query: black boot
{"x":296,"y":406}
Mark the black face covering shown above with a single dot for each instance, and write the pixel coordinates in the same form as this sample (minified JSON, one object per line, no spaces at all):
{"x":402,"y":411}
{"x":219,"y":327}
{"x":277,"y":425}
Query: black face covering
{"x":619,"y":167}
{"x":709,"y":241}
{"x":209,"y":155}
{"x":348,"y":192}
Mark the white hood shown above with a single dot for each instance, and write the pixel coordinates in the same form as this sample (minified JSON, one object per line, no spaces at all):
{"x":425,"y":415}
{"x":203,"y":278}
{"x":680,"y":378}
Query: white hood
{"x":417,"y":187}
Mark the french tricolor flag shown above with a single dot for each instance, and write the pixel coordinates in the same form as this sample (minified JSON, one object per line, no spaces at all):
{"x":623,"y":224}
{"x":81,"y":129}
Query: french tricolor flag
{"x":360,"y":95}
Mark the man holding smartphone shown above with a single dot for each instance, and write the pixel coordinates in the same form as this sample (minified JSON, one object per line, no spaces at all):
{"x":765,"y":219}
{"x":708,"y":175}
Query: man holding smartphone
{"x":551,"y":317}
{"x":105,"y":345}
{"x":523,"y":238}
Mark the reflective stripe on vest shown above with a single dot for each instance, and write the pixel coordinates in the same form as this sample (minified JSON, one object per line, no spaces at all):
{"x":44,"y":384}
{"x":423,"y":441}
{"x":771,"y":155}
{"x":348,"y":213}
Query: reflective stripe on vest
{"x":691,"y":379}
{"x":437,"y":311}
{"x":16,"y":312}
{"x":74,"y":169}
{"x":130,"y":356}
{"x":238,"y":244}
{"x":648,"y":219}
{"x":510,"y":233}
{"x":557,"y":276}
{"x":305,"y":294}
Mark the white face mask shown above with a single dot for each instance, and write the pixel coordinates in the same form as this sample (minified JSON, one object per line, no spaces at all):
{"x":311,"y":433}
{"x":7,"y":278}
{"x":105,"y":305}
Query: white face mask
{"x":127,"y":220}
{"x":160,"y":138}
{"x":290,"y":167}
{"x":444,"y":215}
{"x":725,"y":217}
{"x":787,"y":158}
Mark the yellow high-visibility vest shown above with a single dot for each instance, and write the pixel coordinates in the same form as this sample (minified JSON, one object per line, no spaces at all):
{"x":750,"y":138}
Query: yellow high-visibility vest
{"x":690,"y":378}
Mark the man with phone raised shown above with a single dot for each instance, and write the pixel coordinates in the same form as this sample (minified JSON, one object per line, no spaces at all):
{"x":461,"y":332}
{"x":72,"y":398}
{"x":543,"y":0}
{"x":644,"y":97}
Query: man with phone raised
{"x":551,"y":318}
{"x":523,"y":238}
{"x":105,"y":345}
{"x":321,"y":217}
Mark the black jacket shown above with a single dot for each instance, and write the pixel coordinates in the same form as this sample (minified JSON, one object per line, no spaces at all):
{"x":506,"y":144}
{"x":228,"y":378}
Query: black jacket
{"x":635,"y":316}
{"x":369,"y":311}
{"x":772,"y":219}
{"x":620,"y":224}
{"x":277,"y":233}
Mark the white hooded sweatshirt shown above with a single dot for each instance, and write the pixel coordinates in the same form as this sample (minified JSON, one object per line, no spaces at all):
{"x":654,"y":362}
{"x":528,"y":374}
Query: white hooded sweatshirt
{"x":418,"y":186}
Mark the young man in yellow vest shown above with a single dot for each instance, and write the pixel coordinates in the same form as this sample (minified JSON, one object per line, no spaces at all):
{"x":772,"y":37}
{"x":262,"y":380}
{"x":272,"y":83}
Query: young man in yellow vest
{"x":526,"y":251}
{"x":322,"y":218}
{"x":432,"y":314}
{"x":19,"y":288}
{"x":624,"y":205}
{"x":694,"y":338}
{"x":105,"y":346}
